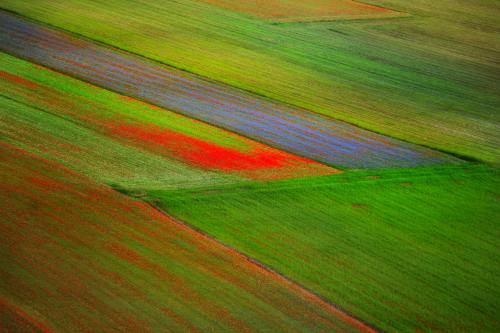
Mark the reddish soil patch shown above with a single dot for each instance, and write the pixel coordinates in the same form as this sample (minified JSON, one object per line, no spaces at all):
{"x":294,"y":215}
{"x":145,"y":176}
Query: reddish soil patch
{"x":19,"y":80}
{"x":359,"y":205}
{"x":19,"y":318}
{"x":298,"y":10}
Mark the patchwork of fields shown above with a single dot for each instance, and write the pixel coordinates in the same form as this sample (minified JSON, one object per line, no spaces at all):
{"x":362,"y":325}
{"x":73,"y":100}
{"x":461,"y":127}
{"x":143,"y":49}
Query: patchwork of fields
{"x":125,"y":141}
{"x":423,"y":79}
{"x":249,"y":166}
{"x":298,"y":131}
{"x":77,"y":255}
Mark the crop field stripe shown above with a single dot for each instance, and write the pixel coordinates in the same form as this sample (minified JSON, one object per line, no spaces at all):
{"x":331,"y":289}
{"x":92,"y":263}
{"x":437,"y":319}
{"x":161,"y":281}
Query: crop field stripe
{"x":344,"y":180}
{"x":136,"y":123}
{"x":309,"y":294}
{"x":289,"y":128}
{"x":298,"y":131}
{"x":284,"y":127}
{"x":122,"y":265}
{"x":312,"y":10}
{"x":371,"y":74}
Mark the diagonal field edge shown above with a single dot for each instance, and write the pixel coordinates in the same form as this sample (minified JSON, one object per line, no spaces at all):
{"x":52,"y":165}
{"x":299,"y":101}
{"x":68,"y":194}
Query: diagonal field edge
{"x":291,"y":129}
{"x":311,"y":295}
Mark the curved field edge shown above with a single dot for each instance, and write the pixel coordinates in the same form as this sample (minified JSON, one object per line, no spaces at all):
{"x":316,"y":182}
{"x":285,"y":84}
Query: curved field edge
{"x":192,"y":150}
{"x":78,"y":256}
{"x":407,"y":79}
{"x":405,"y":250}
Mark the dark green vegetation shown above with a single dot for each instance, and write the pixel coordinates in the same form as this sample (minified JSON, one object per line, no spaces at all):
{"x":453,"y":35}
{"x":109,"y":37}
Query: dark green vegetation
{"x":405,"y":250}
{"x":430,"y":78}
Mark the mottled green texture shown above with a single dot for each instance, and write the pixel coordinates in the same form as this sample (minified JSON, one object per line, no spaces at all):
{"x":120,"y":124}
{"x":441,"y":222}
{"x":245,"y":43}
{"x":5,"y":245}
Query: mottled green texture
{"x":430,"y":78}
{"x":406,"y":250}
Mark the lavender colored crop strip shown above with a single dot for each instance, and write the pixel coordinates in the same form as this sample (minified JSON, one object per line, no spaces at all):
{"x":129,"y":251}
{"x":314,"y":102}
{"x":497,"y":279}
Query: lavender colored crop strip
{"x":298,"y":131}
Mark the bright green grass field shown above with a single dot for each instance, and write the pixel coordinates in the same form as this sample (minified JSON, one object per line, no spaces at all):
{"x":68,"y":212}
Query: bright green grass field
{"x":405,"y":250}
{"x":430,"y":78}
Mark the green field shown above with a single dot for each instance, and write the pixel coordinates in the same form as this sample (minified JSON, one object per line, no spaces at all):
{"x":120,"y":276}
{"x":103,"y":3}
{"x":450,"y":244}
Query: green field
{"x":76,"y":256}
{"x":406,"y":250}
{"x":430,"y":78}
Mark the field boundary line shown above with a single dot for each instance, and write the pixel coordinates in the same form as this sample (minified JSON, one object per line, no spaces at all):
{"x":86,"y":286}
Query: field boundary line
{"x":460,"y":156}
{"x":296,"y":286}
{"x":322,"y":181}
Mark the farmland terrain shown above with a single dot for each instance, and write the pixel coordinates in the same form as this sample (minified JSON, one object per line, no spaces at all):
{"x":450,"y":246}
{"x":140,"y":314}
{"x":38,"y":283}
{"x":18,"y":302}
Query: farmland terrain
{"x":295,"y":130}
{"x":78,"y":256}
{"x":125,"y":141}
{"x":406,"y":250}
{"x":430,"y":78}
{"x":313,"y":10}
{"x":249,"y":166}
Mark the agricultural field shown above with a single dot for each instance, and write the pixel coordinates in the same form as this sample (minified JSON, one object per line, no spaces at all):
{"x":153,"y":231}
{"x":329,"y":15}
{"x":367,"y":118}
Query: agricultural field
{"x":406,"y":250}
{"x":300,"y":11}
{"x":249,"y":166}
{"x":125,"y":141}
{"x":78,"y":256}
{"x":424,"y":78}
{"x":299,"y":131}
